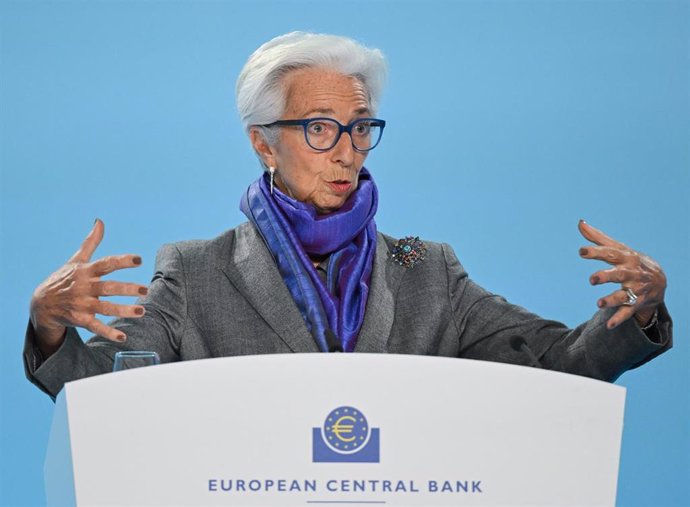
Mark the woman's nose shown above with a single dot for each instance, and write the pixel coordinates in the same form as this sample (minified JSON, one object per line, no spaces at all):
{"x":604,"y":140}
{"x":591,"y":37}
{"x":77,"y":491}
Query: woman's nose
{"x":343,"y":151}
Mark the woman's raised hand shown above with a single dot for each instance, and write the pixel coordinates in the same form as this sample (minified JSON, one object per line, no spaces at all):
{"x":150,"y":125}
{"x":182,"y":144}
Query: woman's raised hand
{"x":71,"y":295}
{"x":632,"y":269}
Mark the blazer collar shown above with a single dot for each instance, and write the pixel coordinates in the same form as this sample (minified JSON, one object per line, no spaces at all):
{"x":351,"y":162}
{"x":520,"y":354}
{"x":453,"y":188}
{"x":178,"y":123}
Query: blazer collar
{"x":378,"y":318}
{"x":252,"y":270}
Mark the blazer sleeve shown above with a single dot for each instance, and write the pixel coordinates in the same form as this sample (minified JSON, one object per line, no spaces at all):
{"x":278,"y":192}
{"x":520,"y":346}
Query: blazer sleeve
{"x":158,"y":330}
{"x":487,"y":322}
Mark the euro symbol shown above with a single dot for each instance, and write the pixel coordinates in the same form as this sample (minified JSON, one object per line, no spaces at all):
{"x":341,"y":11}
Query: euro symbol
{"x":339,"y":428}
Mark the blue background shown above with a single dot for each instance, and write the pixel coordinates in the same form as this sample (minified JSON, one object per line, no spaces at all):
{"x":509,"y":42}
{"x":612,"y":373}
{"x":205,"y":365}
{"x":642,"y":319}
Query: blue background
{"x":507,"y":122}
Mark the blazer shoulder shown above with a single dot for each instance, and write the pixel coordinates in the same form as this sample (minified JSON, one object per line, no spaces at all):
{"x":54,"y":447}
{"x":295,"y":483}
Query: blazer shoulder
{"x":205,"y":250}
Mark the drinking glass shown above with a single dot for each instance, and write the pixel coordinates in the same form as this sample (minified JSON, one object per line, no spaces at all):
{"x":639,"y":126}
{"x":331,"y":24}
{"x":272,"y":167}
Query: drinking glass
{"x":134,"y":359}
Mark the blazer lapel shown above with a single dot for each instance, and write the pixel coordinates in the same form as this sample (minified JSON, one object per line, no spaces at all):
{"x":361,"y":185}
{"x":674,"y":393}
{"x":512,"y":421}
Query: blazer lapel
{"x":378,"y":319}
{"x":253,"y":272}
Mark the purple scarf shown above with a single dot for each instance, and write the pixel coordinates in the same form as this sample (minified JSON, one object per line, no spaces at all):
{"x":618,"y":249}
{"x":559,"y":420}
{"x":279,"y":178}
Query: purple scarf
{"x":292,"y":230}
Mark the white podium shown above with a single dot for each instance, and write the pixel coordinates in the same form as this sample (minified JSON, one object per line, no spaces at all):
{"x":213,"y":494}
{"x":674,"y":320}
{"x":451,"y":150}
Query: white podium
{"x":310,"y":429}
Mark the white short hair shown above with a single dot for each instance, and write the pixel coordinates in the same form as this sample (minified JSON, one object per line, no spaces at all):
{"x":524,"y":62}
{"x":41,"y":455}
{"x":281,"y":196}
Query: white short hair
{"x":260,"y":92}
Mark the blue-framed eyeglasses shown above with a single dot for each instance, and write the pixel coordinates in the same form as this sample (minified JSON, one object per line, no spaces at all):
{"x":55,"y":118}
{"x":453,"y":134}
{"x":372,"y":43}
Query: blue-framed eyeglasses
{"x":322,"y":134}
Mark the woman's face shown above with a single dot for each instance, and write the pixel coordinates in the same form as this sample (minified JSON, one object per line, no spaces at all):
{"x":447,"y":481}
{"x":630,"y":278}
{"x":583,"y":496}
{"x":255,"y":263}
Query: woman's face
{"x":324,"y":179}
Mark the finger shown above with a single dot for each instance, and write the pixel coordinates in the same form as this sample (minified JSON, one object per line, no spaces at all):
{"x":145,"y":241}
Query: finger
{"x":613,"y":275}
{"x":111,"y":288}
{"x":618,"y":298}
{"x":89,"y":245}
{"x":623,"y":314}
{"x":116,"y":310}
{"x":610,"y":254}
{"x":106,"y":265}
{"x":97,"y":327}
{"x":595,"y":235}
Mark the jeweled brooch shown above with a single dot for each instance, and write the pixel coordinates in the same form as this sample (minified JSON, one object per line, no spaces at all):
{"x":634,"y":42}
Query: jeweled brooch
{"x":408,"y":251}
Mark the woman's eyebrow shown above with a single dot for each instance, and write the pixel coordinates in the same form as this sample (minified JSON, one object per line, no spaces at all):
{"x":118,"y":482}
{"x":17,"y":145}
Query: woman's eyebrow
{"x":321,"y":110}
{"x":328,"y":110}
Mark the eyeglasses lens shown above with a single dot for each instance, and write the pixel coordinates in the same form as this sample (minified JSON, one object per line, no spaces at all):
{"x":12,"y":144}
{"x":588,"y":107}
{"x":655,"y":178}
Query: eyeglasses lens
{"x":323,"y":134}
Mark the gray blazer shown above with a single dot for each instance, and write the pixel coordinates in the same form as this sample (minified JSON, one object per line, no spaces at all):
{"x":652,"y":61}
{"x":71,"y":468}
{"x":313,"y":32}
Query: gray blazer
{"x":225,"y":297}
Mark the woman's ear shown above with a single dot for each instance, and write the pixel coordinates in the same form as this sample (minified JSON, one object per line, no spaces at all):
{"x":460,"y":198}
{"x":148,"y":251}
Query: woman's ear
{"x":262,"y":148}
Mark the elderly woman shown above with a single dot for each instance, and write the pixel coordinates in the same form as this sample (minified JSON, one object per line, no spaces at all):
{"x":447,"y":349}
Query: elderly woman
{"x":309,"y":272}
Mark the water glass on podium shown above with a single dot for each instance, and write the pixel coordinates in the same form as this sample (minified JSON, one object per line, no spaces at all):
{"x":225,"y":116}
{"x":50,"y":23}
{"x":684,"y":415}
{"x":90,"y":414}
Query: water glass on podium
{"x":134,"y":359}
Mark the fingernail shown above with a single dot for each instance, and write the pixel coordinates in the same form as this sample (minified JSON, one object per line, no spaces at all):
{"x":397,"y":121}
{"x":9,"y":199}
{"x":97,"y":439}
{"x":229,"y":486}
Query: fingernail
{"x":594,"y":280}
{"x":121,"y":337}
{"x":136,"y":260}
{"x":143,"y":291}
{"x":139,"y":311}
{"x":601,"y":303}
{"x":611,"y":325}
{"x":584,"y":251}
{"x":582,"y":221}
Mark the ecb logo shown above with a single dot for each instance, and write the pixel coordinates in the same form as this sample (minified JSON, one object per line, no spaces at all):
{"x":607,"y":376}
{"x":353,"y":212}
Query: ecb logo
{"x":345,"y":437}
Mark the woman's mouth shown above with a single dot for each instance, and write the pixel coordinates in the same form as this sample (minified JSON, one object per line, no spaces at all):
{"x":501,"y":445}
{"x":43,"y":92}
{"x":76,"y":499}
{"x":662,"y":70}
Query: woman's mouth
{"x":340,"y":186}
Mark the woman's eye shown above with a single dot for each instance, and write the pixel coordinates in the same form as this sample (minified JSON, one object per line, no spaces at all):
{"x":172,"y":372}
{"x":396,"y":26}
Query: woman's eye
{"x":361,"y":128}
{"x":317,"y":128}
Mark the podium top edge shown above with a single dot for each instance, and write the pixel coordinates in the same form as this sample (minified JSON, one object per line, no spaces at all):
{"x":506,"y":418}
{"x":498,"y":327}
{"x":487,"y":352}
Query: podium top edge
{"x":389,"y":363}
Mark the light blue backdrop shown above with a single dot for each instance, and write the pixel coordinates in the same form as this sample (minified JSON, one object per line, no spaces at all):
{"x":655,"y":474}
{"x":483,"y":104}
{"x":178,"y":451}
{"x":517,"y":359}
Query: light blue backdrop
{"x":507,"y":122}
